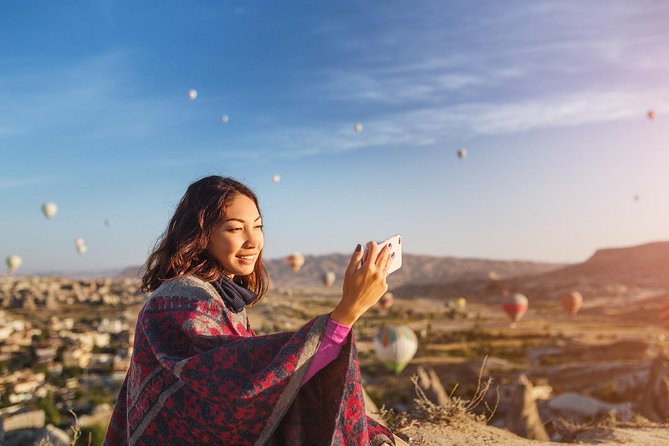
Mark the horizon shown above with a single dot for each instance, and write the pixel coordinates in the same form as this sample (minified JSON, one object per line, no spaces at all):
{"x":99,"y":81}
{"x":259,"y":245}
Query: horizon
{"x":551,"y":101}
{"x":119,"y":269}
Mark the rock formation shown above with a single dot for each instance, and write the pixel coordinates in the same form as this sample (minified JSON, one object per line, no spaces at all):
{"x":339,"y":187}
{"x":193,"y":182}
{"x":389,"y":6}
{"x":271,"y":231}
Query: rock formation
{"x":523,"y":416}
{"x":431,"y":385}
{"x":654,"y":403}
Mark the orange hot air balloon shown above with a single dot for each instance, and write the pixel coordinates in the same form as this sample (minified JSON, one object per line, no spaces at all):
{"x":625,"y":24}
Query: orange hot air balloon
{"x":572,"y":302}
{"x":386,"y":301}
{"x":650,"y":114}
{"x":515,"y":305}
{"x":295,"y":261}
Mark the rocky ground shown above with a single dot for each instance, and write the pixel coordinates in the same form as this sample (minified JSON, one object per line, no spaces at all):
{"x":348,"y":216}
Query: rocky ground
{"x":594,"y":378}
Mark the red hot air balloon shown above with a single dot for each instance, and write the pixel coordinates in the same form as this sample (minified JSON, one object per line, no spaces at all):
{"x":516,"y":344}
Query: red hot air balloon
{"x":664,"y":313}
{"x":386,"y":301}
{"x":572,"y":302}
{"x":515,"y":305}
{"x":650,"y":114}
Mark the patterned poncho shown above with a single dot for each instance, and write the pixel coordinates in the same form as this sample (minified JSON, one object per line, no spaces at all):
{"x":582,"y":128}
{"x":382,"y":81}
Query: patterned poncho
{"x":199,"y":375}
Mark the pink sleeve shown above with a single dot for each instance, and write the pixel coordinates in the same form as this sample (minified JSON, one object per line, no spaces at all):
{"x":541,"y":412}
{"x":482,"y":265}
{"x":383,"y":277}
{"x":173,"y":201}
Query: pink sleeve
{"x":333,"y":339}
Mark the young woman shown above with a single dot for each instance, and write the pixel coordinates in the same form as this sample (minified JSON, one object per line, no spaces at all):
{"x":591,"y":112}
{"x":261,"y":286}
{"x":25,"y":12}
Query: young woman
{"x":200,"y":375}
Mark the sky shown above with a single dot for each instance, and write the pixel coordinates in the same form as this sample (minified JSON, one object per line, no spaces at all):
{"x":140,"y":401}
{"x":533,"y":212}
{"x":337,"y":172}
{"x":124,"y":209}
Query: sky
{"x":550,"y":99}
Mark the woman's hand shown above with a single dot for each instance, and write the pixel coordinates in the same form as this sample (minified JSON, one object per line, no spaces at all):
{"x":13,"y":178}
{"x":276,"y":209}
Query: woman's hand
{"x":363,"y":287}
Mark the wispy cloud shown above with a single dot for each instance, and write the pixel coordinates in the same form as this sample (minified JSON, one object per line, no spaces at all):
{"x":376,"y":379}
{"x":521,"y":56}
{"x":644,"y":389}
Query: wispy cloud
{"x":23,"y":182}
{"x":430,"y":126}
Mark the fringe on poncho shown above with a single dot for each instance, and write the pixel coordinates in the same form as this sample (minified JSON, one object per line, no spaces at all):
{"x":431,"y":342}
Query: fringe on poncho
{"x":199,"y":375}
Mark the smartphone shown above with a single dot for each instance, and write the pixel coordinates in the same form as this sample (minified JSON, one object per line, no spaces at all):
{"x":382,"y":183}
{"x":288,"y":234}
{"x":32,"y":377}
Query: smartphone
{"x":395,"y":262}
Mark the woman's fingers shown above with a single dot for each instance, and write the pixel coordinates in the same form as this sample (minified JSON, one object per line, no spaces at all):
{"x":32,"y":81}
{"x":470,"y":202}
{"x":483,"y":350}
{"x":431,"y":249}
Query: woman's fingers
{"x":384,"y":256}
{"x":370,"y":254}
{"x":355,"y":259}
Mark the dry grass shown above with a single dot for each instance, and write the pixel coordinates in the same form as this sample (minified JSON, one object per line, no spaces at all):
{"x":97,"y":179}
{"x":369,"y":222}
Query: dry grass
{"x":457,"y":412}
{"x":76,"y":433}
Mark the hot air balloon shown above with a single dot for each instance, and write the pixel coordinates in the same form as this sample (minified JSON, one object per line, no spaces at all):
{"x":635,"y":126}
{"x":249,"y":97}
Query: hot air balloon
{"x":225,"y":119}
{"x":81,"y":245}
{"x":276,"y":178}
{"x":192,"y":94}
{"x":395,"y":347}
{"x":637,"y":197}
{"x":295,"y":261}
{"x":650,"y":114}
{"x":13,"y":263}
{"x":495,"y":287}
{"x":571,"y":302}
{"x":664,"y":313}
{"x":49,"y":209}
{"x":357,"y":127}
{"x":107,"y":222}
{"x":462,"y":153}
{"x":515,"y":305}
{"x":386,"y":301}
{"x":328,"y":278}
{"x":456,"y":307}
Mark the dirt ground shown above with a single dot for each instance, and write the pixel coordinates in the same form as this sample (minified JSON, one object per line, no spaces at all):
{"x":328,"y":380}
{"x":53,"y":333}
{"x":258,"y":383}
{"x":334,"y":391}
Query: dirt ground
{"x":602,"y":352}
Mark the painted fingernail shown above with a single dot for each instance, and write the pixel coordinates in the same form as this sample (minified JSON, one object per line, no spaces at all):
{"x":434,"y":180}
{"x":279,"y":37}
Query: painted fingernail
{"x":358,"y":248}
{"x":392,"y":256}
{"x":390,"y":245}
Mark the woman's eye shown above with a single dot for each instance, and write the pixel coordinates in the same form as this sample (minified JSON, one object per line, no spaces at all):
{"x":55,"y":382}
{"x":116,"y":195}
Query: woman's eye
{"x":259,"y":227}
{"x":235,"y":229}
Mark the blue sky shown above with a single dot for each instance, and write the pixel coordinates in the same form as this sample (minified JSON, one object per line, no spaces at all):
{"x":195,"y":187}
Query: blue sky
{"x":549,"y":98}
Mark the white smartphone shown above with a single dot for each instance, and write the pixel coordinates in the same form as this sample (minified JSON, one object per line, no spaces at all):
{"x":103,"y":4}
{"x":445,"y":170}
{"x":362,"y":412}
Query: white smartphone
{"x":395,"y":262}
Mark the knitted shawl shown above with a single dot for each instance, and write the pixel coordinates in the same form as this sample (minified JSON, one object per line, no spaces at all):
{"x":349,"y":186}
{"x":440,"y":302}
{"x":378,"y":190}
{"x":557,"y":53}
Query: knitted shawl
{"x":200,"y":375}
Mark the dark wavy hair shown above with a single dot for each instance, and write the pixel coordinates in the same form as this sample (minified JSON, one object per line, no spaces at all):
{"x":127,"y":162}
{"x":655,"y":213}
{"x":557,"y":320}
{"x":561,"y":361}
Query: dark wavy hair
{"x":181,"y":249}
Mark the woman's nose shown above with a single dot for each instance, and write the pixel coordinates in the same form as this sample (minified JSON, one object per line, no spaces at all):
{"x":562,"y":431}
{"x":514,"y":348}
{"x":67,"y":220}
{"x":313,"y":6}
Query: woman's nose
{"x":252,"y":240}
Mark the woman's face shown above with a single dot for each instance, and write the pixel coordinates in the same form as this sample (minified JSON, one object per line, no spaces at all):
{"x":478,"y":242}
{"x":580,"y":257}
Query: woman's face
{"x":237,"y":241}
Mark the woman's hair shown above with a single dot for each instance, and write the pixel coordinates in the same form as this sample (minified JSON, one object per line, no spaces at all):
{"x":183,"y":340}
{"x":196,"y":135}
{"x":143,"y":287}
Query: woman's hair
{"x":181,"y":250}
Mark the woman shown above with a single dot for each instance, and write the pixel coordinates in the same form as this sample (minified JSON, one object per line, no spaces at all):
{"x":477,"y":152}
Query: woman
{"x":200,"y":375}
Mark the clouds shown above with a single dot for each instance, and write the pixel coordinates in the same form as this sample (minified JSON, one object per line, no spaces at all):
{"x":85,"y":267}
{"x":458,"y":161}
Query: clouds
{"x":444,"y":124}
{"x":8,"y":183}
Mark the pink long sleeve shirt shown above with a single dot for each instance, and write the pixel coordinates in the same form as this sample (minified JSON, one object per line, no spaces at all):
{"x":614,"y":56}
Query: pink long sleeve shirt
{"x":333,"y":339}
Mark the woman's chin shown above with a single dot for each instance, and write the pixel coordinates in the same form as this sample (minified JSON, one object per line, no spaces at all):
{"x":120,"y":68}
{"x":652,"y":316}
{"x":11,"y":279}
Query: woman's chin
{"x":242,"y":270}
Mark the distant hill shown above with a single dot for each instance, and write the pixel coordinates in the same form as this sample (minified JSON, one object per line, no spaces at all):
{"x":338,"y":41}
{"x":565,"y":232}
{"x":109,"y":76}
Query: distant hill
{"x":131,"y":272}
{"x":415,"y":268}
{"x":643,"y":266}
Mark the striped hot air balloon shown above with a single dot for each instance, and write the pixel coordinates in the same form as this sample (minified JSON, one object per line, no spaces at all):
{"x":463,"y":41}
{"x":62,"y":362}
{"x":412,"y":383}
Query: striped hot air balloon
{"x":571,"y":302}
{"x":515,"y":305}
{"x":395,"y":347}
